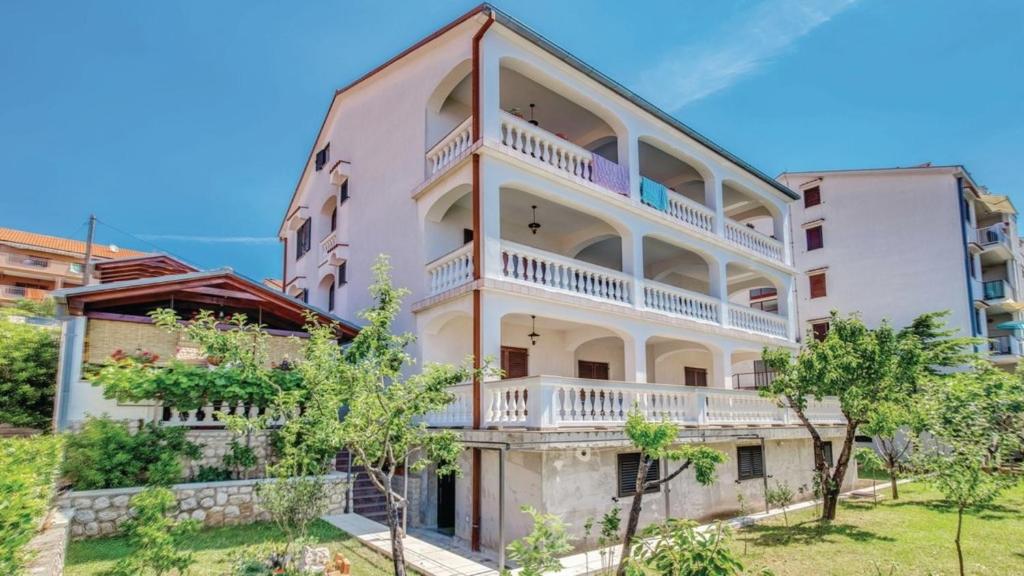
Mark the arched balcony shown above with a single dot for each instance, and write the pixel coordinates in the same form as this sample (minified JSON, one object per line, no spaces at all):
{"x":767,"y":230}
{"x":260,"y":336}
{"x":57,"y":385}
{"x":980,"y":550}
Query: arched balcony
{"x":752,"y":222}
{"x":757,"y":303}
{"x":680,"y":282}
{"x":681,"y":188}
{"x":448,"y":119}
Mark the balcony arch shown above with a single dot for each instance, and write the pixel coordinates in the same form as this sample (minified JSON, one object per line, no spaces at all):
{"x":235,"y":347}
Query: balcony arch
{"x":758,"y":302}
{"x":562,"y":344}
{"x":447,"y":220}
{"x":326,"y":295}
{"x":450,"y":338}
{"x":450,"y":103}
{"x":682,"y":267}
{"x":679,"y":172}
{"x":675,"y":361}
{"x":749,"y":209}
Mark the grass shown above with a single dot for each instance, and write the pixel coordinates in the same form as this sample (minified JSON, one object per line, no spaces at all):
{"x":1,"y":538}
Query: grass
{"x":908,"y":537}
{"x":214,"y":549}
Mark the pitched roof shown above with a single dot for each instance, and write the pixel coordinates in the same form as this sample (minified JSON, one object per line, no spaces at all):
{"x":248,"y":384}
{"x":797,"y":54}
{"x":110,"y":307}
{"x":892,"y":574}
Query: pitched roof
{"x":145,"y":266}
{"x":31,"y":240}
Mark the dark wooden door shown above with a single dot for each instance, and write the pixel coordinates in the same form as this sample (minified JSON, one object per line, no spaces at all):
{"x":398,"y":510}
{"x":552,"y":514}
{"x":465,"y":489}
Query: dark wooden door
{"x":515,"y":362}
{"x":446,"y":503}
{"x":592,"y":370}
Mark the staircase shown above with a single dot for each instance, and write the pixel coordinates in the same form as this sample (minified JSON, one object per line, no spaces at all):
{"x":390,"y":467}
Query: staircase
{"x":367,"y":500}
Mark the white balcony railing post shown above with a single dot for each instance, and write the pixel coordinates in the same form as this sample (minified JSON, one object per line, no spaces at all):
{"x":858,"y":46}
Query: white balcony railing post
{"x":529,"y":265}
{"x":520,"y":136}
{"x":753,"y":240}
{"x":451,"y":270}
{"x":679,"y":302}
{"x":758,"y":321}
{"x":451,"y":147}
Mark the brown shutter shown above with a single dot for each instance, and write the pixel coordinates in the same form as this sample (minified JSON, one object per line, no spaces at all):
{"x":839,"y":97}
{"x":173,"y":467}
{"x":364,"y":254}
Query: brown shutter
{"x":815,"y":238}
{"x":817,"y":285}
{"x":593,"y":370}
{"x":812,"y":197}
{"x":695,"y":376}
{"x":515,"y":362}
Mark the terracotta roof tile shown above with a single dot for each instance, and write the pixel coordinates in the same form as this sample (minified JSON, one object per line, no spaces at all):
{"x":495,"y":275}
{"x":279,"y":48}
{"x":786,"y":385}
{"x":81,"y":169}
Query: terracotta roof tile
{"x":77,"y":247}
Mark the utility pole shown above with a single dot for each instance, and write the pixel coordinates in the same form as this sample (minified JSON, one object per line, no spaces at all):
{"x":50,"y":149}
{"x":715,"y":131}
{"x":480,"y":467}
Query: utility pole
{"x":87,"y":268}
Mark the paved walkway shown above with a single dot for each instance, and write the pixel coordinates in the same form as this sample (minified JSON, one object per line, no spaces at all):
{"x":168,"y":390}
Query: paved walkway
{"x":434,"y":555}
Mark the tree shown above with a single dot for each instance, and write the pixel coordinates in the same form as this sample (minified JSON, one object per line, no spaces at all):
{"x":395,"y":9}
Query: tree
{"x":865,"y":369}
{"x":538,"y":552}
{"x":28,"y":374}
{"x":677,"y":547}
{"x":976,"y":419}
{"x":894,"y":426}
{"x":657,"y":440}
{"x":869,"y":461}
{"x":156,"y":540}
{"x":384,"y":398}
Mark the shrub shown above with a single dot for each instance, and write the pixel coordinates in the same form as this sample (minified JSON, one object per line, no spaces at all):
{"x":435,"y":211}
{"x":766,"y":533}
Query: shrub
{"x":28,"y":469}
{"x":676,"y":547}
{"x":28,"y":372}
{"x":537,"y":553}
{"x":155,"y":539}
{"x":293,"y":503}
{"x":780,"y":497}
{"x":105,"y":454}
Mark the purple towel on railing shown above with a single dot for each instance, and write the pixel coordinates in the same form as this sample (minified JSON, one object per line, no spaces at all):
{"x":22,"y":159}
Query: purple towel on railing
{"x":610,"y":175}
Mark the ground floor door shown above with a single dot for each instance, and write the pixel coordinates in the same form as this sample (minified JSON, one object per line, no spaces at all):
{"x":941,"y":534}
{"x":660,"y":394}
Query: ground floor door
{"x":515,"y":362}
{"x":446,"y":504}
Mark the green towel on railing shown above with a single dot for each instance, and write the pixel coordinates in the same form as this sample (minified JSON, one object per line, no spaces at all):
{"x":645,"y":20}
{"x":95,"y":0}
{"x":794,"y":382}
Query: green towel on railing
{"x":654,"y":194}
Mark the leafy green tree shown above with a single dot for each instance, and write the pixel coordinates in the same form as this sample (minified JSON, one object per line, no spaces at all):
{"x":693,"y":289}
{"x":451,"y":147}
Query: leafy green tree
{"x":865,"y":369}
{"x":156,"y":540}
{"x":45,"y":308}
{"x":657,"y":440}
{"x":869,"y":461}
{"x":28,"y":374}
{"x":895,"y":427}
{"x":537,"y":552}
{"x":780,"y":497}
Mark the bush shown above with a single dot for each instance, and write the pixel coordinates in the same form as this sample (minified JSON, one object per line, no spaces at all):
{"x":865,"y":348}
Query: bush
{"x":105,"y":454}
{"x":293,"y":503}
{"x":28,"y":470}
{"x":28,"y":373}
{"x":677,"y":547}
{"x":155,"y":539}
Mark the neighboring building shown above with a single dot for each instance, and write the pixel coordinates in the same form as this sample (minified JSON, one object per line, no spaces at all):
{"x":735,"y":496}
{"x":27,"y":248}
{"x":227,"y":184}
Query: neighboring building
{"x":33,"y":265}
{"x":112,"y":315}
{"x":894,"y":243}
{"x":599,"y":251}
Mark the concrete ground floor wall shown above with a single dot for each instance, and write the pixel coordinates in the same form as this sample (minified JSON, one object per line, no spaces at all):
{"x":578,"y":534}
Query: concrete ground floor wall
{"x":580,"y":481}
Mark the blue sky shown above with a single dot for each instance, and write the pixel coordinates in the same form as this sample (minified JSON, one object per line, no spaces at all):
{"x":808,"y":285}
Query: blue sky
{"x":186,"y":123}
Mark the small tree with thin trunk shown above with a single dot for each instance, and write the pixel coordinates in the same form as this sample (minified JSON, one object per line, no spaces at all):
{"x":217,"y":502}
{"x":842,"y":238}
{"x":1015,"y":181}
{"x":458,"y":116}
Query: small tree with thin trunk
{"x":894,"y":428}
{"x":657,"y":440}
{"x":864,"y":368}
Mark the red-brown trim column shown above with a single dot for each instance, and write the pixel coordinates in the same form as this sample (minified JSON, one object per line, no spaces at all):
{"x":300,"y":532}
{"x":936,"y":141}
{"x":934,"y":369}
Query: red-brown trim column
{"x":477,"y":268}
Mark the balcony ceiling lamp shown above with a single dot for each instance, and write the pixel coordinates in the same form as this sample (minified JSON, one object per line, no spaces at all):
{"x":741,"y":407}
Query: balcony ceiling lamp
{"x":534,"y":225}
{"x":533,"y":335}
{"x":532,"y":120}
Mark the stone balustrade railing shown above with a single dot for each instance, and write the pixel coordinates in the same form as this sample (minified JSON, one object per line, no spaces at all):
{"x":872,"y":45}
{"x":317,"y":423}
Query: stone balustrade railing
{"x":206,"y":417}
{"x":451,"y":270}
{"x":451,"y":147}
{"x":524,"y":138}
{"x":327,"y":245}
{"x":529,"y":265}
{"x":746,"y":237}
{"x":556,"y":402}
{"x":690,"y":213}
{"x":678,"y":302}
{"x":754,"y":320}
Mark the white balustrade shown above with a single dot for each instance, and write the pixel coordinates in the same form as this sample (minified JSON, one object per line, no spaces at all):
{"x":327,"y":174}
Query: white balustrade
{"x":556,"y":402}
{"x":326,"y":245}
{"x":679,"y":302}
{"x":451,"y":270}
{"x":753,"y":240}
{"x":520,"y":136}
{"x":206,"y":417}
{"x":690,"y":213}
{"x":533,"y":266}
{"x":760,"y":322}
{"x":451,"y":147}
{"x":459,"y":413}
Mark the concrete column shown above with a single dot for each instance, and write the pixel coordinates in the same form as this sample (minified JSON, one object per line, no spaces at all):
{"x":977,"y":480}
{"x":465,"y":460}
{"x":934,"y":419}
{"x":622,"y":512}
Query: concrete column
{"x":787,"y":305}
{"x":490,"y":334}
{"x":490,"y":221}
{"x":718,"y":276}
{"x":630,"y":154}
{"x":721,"y":361}
{"x":633,"y":263}
{"x":490,"y":91}
{"x":636,"y":358}
{"x":784,"y":232}
{"x":713,"y":199}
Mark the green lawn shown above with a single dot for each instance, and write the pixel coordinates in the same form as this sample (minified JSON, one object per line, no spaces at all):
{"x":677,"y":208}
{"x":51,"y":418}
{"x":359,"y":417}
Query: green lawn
{"x":916,"y":533}
{"x":214,"y":549}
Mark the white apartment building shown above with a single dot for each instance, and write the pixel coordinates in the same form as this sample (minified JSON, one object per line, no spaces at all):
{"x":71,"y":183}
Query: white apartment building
{"x":601,"y":252}
{"x":898,"y":242}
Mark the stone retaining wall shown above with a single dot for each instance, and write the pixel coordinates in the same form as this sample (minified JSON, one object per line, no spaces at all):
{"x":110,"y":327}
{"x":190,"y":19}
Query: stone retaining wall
{"x":49,"y":547}
{"x":97,"y":513}
{"x":216,"y":443}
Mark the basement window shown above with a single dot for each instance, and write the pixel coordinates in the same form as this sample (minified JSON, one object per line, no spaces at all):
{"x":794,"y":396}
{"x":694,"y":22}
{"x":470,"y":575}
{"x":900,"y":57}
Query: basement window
{"x":628,"y":465}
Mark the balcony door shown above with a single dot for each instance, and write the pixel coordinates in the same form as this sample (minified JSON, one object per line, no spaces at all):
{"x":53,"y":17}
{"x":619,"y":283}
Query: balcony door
{"x":515,"y":362}
{"x":592,"y":370}
{"x":695,"y":376}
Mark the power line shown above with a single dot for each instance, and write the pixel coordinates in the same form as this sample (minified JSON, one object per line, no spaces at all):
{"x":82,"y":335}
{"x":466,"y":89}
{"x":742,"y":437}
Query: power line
{"x":147,"y":242}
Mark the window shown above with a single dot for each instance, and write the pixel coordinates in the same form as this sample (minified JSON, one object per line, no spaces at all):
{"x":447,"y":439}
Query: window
{"x":76,"y":267}
{"x":812,"y":196}
{"x":304,"y":295}
{"x":763,"y":293}
{"x":766,"y":305}
{"x":334,"y":219}
{"x":342,"y":274}
{"x":343,"y":192}
{"x":628,"y":466}
{"x":815,"y":239}
{"x":695,"y":377}
{"x":592,"y":370}
{"x":303,"y":239}
{"x":819,"y":330}
{"x":750,"y":462}
{"x":515,"y":362}
{"x":323,"y":156}
{"x":817,"y":285}
{"x":330,"y":299}
{"x":467,"y":236}
{"x":826,"y":448}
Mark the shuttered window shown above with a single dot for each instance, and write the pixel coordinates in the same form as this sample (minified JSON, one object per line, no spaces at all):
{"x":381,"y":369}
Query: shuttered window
{"x":750,"y":461}
{"x":334,"y":219}
{"x":592,"y":370}
{"x":323,"y":156}
{"x":819,"y":330}
{"x":330,"y":299}
{"x":812,"y":196}
{"x":817,"y":284}
{"x":815,"y":238}
{"x":628,"y":465}
{"x":342,"y":274}
{"x":514,"y":362}
{"x":695,"y":376}
{"x":826,"y":447}
{"x":303,"y":239}
{"x":343,"y":192}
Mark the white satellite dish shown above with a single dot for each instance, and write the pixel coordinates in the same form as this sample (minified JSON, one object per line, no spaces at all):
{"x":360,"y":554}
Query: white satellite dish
{"x":114,"y":248}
